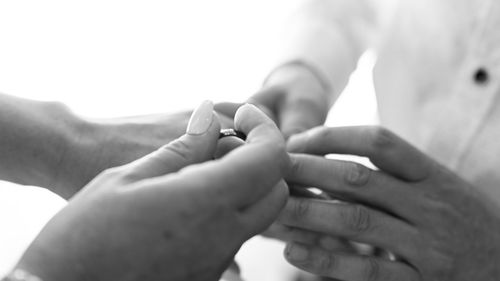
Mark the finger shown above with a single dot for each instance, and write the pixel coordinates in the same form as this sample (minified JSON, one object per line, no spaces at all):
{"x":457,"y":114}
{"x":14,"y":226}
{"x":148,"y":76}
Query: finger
{"x":355,"y":182}
{"x":287,"y":233}
{"x":268,"y":100}
{"x":269,"y":97}
{"x":260,"y":215}
{"x":299,"y":113}
{"x":226,"y":145}
{"x":197,"y":145}
{"x":387,"y":151}
{"x":311,"y":238}
{"x":346,"y":266}
{"x":352,"y":222}
{"x":245,"y":175}
{"x":296,"y":112}
{"x":227,"y":108}
{"x":225,"y":121}
{"x":228,"y":111}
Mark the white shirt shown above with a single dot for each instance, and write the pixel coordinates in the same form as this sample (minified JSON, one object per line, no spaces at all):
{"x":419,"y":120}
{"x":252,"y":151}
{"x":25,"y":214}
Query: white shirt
{"x":437,"y":76}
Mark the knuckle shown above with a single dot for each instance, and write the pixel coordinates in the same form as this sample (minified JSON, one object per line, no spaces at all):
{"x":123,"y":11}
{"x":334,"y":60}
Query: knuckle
{"x":372,"y":270}
{"x":325,"y":263}
{"x":301,"y":209}
{"x":382,"y":138}
{"x":357,"y":219}
{"x":180,"y":149}
{"x":296,"y":166}
{"x":357,"y":174}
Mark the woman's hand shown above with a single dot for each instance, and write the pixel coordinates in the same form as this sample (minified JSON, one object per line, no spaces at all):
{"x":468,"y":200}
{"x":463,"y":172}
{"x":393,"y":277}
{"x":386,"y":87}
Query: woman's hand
{"x":439,"y":227}
{"x":172,"y":215}
{"x":101,"y":144}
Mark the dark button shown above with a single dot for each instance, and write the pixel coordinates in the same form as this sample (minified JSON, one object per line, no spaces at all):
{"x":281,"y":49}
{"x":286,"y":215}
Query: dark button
{"x":481,"y":76}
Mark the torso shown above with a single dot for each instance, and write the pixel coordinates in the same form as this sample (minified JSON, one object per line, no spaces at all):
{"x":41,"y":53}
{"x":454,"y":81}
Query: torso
{"x":438,"y":84}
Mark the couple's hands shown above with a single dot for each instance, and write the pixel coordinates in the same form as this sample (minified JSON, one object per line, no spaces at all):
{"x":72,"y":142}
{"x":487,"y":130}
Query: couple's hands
{"x":101,"y":144}
{"x":170,"y":215}
{"x":438,"y":226}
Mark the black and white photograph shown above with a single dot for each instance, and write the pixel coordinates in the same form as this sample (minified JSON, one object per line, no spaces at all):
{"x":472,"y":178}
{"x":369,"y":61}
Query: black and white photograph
{"x":264,"y":140}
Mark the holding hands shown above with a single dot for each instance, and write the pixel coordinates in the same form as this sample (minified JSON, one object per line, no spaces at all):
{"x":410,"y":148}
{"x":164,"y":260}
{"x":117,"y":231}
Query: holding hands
{"x":173,"y":214}
{"x":438,"y":226}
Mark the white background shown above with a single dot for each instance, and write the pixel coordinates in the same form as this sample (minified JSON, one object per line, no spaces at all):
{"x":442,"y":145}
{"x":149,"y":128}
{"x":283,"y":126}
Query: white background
{"x":115,"y":58}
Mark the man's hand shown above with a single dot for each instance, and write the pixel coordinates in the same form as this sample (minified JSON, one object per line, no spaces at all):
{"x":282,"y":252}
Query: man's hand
{"x":170,"y":215}
{"x":295,"y":98}
{"x":438,"y":226}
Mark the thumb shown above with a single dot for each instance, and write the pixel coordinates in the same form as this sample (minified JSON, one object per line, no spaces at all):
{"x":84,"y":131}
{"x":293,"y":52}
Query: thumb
{"x":196,"y":146}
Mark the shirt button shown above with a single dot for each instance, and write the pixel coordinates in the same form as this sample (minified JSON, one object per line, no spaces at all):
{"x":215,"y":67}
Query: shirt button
{"x":481,"y":77}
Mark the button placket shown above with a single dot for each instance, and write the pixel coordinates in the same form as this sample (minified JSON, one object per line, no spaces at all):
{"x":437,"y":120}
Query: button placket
{"x":463,"y":115}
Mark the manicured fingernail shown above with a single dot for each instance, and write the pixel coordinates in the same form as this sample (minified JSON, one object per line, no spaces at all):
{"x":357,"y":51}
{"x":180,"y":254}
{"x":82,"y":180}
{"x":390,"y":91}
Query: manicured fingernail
{"x":296,"y":252}
{"x":201,"y":119}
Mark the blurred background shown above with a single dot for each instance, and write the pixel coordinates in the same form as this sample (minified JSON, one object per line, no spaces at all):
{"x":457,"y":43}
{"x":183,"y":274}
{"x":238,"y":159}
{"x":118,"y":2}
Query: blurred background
{"x":117,"y":58}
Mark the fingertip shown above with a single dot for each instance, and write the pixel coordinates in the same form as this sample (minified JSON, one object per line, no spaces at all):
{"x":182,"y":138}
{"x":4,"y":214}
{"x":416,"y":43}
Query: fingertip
{"x":248,"y":117}
{"x":227,"y":108}
{"x":296,"y":252}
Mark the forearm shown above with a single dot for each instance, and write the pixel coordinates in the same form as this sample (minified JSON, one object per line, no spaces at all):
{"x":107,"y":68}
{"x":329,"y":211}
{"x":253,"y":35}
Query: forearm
{"x":35,"y":138}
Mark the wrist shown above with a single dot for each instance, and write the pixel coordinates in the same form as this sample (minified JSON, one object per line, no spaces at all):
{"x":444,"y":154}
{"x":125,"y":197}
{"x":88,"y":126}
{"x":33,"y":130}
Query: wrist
{"x":74,"y":141}
{"x":35,"y":139}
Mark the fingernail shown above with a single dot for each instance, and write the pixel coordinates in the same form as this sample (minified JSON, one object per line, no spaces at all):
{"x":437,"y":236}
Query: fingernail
{"x":296,"y":252}
{"x":201,"y":119}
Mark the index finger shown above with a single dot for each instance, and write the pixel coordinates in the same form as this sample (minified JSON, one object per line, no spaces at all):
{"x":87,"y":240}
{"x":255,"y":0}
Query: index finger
{"x":385,"y":150}
{"x":248,"y":173}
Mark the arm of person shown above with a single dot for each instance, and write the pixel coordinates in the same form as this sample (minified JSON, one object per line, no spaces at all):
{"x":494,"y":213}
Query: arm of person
{"x":174,"y":214}
{"x":317,"y":52}
{"x":45,"y":144}
{"x":436,"y":225}
{"x":35,"y":136}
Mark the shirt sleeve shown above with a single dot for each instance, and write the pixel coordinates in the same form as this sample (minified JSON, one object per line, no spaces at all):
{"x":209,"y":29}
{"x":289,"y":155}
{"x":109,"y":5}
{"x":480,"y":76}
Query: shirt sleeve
{"x":329,"y":36}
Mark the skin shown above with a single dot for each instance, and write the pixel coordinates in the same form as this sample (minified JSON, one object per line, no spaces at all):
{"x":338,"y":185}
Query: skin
{"x":295,"y":98}
{"x":108,"y":143}
{"x":45,"y":144}
{"x":439,"y":227}
{"x":172,"y":215}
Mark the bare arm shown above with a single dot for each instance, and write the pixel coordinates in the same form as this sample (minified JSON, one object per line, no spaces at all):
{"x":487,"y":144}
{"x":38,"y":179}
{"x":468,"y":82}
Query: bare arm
{"x":34,"y":138}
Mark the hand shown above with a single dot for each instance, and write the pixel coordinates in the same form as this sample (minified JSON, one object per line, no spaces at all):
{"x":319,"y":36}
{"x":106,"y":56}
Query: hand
{"x":102,"y":144}
{"x":439,"y":227}
{"x":295,"y":98}
{"x":170,"y":215}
